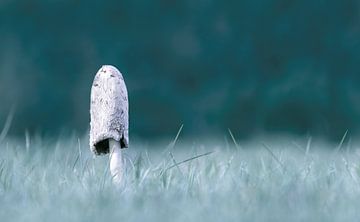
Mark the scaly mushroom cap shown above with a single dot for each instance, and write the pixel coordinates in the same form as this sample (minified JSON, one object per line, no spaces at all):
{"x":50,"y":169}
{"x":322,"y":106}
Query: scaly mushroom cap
{"x":109,"y":110}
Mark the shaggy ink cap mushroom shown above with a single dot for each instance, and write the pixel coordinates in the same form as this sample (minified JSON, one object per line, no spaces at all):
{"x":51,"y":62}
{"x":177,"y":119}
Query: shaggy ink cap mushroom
{"x":109,"y":111}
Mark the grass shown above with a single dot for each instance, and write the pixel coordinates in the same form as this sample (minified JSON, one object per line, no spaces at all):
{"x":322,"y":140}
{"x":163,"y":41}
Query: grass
{"x":59,"y":180}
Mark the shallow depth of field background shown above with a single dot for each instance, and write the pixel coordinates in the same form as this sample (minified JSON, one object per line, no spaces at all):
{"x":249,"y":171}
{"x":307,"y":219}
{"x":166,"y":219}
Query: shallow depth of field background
{"x":256,"y":67}
{"x":283,"y":76}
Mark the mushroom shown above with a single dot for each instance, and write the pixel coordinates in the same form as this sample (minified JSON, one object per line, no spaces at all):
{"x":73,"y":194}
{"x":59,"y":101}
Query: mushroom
{"x":109,"y":126}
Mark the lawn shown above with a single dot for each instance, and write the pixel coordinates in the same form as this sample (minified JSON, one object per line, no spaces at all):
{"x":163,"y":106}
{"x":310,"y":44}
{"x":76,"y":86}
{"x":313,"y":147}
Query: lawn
{"x":260,"y":180}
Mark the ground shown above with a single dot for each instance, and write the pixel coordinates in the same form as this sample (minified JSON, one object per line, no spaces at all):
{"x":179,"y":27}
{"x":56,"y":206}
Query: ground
{"x":288,"y":180}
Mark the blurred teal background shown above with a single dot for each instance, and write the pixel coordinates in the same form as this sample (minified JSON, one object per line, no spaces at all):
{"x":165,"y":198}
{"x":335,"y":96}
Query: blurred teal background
{"x":256,"y":67}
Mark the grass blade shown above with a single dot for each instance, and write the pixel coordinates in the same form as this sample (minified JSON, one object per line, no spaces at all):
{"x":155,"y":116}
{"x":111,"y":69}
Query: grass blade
{"x":7,"y":125}
{"x":273,"y":155}
{"x":341,"y":142}
{"x":175,"y":163}
{"x":190,"y":159}
{"x":173,"y":143}
{"x":308,"y":145}
{"x":234,"y":140}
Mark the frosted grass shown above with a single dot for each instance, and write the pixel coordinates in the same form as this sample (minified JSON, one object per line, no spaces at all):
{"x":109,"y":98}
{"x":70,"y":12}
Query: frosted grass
{"x":44,"y":180}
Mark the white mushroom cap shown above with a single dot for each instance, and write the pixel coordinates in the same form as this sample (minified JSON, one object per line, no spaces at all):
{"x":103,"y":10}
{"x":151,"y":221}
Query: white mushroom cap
{"x":109,"y":110}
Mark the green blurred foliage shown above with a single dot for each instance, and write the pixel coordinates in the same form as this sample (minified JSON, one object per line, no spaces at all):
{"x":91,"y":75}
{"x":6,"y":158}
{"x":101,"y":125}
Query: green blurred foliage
{"x":252,"y":66}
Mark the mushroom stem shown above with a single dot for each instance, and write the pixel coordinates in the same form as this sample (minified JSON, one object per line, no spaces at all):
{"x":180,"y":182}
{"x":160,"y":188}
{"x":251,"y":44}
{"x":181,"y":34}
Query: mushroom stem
{"x":116,"y":162}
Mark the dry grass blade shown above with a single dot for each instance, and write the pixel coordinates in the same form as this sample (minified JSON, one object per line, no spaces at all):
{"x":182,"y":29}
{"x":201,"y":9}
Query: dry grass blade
{"x":175,"y":163}
{"x":75,"y":162}
{"x":308,"y":145}
{"x":7,"y":125}
{"x":172,"y":144}
{"x":27,"y":141}
{"x":79,"y":150}
{"x":273,"y":155}
{"x":190,"y":159}
{"x":234,"y":140}
{"x":341,"y":142}
{"x":297,"y":146}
